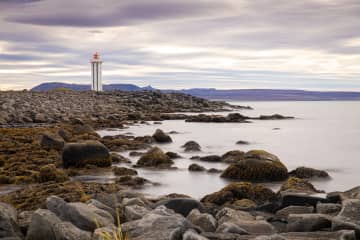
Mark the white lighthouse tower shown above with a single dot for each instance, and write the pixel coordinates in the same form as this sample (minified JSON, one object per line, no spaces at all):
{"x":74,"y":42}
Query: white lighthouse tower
{"x":96,"y":74}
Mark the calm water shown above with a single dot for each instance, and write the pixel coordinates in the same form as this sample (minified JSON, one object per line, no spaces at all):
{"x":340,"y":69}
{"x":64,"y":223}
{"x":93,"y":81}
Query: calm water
{"x":324,"y":136}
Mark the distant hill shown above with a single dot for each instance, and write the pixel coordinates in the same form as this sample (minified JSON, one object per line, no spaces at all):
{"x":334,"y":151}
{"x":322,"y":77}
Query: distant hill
{"x":229,"y":94}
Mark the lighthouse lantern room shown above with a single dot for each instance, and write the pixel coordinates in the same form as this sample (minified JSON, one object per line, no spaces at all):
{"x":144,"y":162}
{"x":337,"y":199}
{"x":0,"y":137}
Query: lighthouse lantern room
{"x":96,"y":74}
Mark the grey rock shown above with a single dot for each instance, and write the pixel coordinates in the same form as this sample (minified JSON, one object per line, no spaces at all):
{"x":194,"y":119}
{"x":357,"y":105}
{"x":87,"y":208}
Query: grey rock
{"x":51,"y":141}
{"x":328,"y":208}
{"x":191,"y":146}
{"x":203,"y":220}
{"x":135,"y":212}
{"x":284,"y":213}
{"x":349,"y":217}
{"x":81,"y":215}
{"x":100,"y":205}
{"x":308,"y":222}
{"x":192,"y":235}
{"x":196,"y":168}
{"x":229,"y":227}
{"x":181,"y":205}
{"x":8,"y":221}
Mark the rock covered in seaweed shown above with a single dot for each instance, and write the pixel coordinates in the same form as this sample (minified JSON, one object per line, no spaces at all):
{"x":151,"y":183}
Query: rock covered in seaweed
{"x":161,"y":137}
{"x":155,"y":157}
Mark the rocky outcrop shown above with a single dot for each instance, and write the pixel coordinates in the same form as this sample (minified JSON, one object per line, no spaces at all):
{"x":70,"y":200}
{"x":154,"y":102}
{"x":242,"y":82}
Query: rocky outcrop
{"x":86,"y":153}
{"x":161,"y":137}
{"x":191,"y":146}
{"x":258,"y":165}
{"x":155,"y":157}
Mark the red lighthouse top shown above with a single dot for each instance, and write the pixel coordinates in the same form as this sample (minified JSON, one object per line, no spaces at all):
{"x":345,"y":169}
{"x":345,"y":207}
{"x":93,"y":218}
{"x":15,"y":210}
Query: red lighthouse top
{"x":96,"y":56}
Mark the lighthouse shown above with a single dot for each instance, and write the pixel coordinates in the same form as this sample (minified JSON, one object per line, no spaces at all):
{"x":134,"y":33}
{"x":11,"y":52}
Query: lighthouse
{"x":96,"y":74}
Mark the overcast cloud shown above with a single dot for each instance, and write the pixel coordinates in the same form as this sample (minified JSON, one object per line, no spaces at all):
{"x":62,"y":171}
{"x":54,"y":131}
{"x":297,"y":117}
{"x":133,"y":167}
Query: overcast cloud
{"x":309,"y":44}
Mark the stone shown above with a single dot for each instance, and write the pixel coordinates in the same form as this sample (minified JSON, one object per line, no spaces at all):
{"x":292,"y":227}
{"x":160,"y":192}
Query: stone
{"x":86,"y":153}
{"x":305,"y":172}
{"x":83,"y":216}
{"x":308,"y":222}
{"x":161,"y":137}
{"x":46,"y":225}
{"x":203,"y":220}
{"x":173,"y":155}
{"x":52,"y":141}
{"x":301,"y":199}
{"x":320,"y":235}
{"x":242,"y":142}
{"x":102,"y":206}
{"x":233,"y":156}
{"x":192,"y":235}
{"x":298,"y":185}
{"x":245,"y":221}
{"x":285,"y":212}
{"x":135,"y":212}
{"x":328,"y":208}
{"x":133,"y":201}
{"x":214,"y":170}
{"x":159,"y":224}
{"x":8,"y":222}
{"x":196,"y":168}
{"x":182,"y":206}
{"x":122,"y":171}
{"x":237,"y":191}
{"x":210,"y":158}
{"x":191,"y":146}
{"x":349,"y":217}
{"x":244,"y":204}
{"x":155,"y":157}
{"x":258,"y":165}
{"x":24,"y":220}
{"x":117,"y":158}
{"x":229,"y":227}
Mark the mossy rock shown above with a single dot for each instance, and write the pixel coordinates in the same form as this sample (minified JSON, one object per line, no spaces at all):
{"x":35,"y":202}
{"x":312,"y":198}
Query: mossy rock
{"x":298,"y":185}
{"x":86,"y":153}
{"x":244,"y":204}
{"x":196,"y":168}
{"x":122,"y":171}
{"x":238,"y":191}
{"x":259,"y":166}
{"x":305,"y":172}
{"x":51,"y":173}
{"x":155,"y":157}
{"x":161,"y":137}
{"x":233,"y":156}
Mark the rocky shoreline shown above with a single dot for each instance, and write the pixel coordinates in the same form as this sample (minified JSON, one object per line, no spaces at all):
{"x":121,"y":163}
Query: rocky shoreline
{"x":57,"y":142}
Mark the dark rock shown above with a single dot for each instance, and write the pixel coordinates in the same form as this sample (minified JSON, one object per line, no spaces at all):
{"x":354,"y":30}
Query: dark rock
{"x":155,"y":157}
{"x":203,"y":220}
{"x":214,"y":170}
{"x":86,"y":153}
{"x":182,"y":206}
{"x":196,"y":168}
{"x":304,"y":172}
{"x":132,"y":181}
{"x":136,"y":154}
{"x":173,"y":155}
{"x":301,"y":199}
{"x":191,"y":146}
{"x":161,"y":137}
{"x":298,"y":185}
{"x":349,"y":217}
{"x":49,"y":173}
{"x":210,"y":158}
{"x":122,"y":171}
{"x":117,"y":158}
{"x":51,"y":141}
{"x":274,"y":117}
{"x":233,"y":156}
{"x":242,"y":142}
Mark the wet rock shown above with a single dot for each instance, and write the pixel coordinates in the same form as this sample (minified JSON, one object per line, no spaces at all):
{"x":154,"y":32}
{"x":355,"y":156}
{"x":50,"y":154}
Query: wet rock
{"x":8,"y":222}
{"x":132,"y":181}
{"x":159,"y":224}
{"x":245,"y":221}
{"x":301,"y":199}
{"x":238,"y":191}
{"x":46,"y":225}
{"x":349,"y":217}
{"x":214,"y":170}
{"x":328,"y":208}
{"x":305,"y":172}
{"x":196,"y":168}
{"x":285,"y":212}
{"x":308,"y":222}
{"x":274,"y":117}
{"x":242,"y":142}
{"x":191,"y":146}
{"x":117,"y":158}
{"x":210,"y":158}
{"x":136,"y":154}
{"x":161,"y":137}
{"x":203,"y":220}
{"x":233,"y":156}
{"x":51,"y":141}
{"x":122,"y":171}
{"x":182,"y":206}
{"x":86,"y":153}
{"x":258,"y":165}
{"x":298,"y":185}
{"x":51,"y":173}
{"x":231,"y":117}
{"x":155,"y":157}
{"x":83,"y":216}
{"x":173,"y":155}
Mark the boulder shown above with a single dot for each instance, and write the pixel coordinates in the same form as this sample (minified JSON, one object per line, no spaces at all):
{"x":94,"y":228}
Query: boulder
{"x":196,"y":168}
{"x":182,"y":206}
{"x":345,"y":234}
{"x":210,"y":158}
{"x":238,"y":191}
{"x":173,"y":155}
{"x":305,"y":172}
{"x":52,"y":141}
{"x":229,"y":227}
{"x":192,"y":235}
{"x":242,"y":142}
{"x":328,"y":208}
{"x":159,"y":224}
{"x":298,"y":185}
{"x":203,"y":220}
{"x":308,"y":222}
{"x":258,"y":165}
{"x":349,"y":217}
{"x":245,"y":221}
{"x":155,"y":157}
{"x":86,"y":153}
{"x":233,"y":156}
{"x":135,"y":212}
{"x":46,"y":225}
{"x":301,"y":199}
{"x":285,"y":212}
{"x":122,"y":171}
{"x":161,"y":137}
{"x":191,"y":146}
{"x":85,"y":217}
{"x":102,"y":206}
{"x":8,"y":222}
{"x":117,"y":158}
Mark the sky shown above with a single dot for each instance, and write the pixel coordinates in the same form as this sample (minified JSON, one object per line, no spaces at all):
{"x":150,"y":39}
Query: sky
{"x":227,"y":44}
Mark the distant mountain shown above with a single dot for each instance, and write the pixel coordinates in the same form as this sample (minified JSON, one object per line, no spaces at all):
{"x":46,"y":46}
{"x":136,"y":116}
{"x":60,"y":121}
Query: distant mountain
{"x":230,"y":94}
